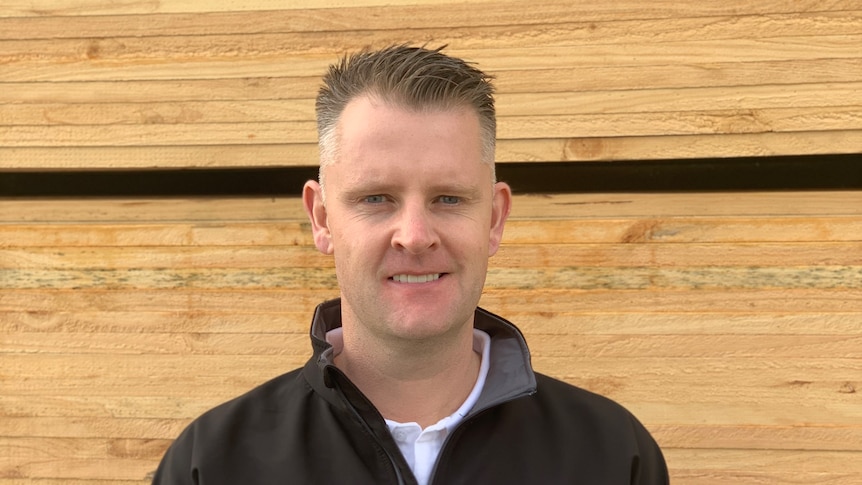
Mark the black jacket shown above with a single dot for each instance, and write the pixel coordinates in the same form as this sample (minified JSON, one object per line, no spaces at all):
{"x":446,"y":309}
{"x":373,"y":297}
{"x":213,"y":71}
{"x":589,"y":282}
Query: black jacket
{"x":313,"y":426}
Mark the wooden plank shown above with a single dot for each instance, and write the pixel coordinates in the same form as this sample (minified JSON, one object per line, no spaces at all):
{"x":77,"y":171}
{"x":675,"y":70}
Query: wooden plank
{"x":92,"y":427}
{"x":750,"y":465}
{"x":721,"y":407}
{"x":666,"y":100}
{"x":769,"y":391}
{"x":152,"y":322}
{"x":197,"y":90}
{"x":114,"y":376}
{"x":208,"y":57}
{"x":284,"y":342}
{"x":730,"y":346}
{"x":709,"y":122}
{"x":673,"y":300}
{"x":846,"y":438}
{"x":711,"y":477}
{"x":682,"y":230}
{"x":28,"y":8}
{"x":534,"y":279}
{"x":600,"y":78}
{"x":835,"y":95}
{"x":763,"y":399}
{"x":675,"y":255}
{"x":545,"y":254}
{"x":755,"y":20}
{"x":717,"y":122}
{"x":176,"y":407}
{"x":519,"y":150}
{"x":741,"y":231}
{"x":680,"y":147}
{"x":831,"y":378}
{"x":253,"y":133}
{"x":163,"y":210}
{"x":645,"y":54}
{"x":741,"y":324}
{"x":533,"y":322}
{"x":155,"y":68}
{"x":112,"y":344}
{"x":274,"y":257}
{"x":104,"y":459}
{"x":825,"y":379}
{"x":314,"y":39}
{"x":501,"y":301}
{"x":496,"y":12}
{"x":156,"y":112}
{"x":298,"y":279}
{"x":504,"y":51}
{"x":653,"y":206}
{"x":535,"y":208}
{"x":261,"y":235}
{"x":624,"y":77}
{"x":196,"y":156}
{"x":172,"y":300}
{"x":800,"y":437}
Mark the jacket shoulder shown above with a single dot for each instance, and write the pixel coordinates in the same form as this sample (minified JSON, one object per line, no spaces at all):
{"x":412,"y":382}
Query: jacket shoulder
{"x":245,"y":425}
{"x":564,"y":434}
{"x":271,"y":396}
{"x":605,"y":423}
{"x":564,"y":394}
{"x":575,"y":406}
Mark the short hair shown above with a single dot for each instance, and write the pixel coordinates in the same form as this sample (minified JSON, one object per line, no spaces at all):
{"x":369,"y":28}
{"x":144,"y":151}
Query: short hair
{"x":413,"y":77}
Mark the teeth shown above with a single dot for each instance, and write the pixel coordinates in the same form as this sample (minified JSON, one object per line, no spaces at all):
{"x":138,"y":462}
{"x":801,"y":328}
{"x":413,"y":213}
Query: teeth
{"x":405,"y":278}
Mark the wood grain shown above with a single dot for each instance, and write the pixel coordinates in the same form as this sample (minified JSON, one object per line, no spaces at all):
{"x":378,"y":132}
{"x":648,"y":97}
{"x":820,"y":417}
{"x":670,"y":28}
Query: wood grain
{"x":728,"y":323}
{"x":97,"y":84}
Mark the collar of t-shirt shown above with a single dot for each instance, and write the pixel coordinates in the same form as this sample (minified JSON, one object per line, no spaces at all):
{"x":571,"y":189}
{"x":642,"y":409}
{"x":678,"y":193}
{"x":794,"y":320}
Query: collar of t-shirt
{"x":421,"y":447}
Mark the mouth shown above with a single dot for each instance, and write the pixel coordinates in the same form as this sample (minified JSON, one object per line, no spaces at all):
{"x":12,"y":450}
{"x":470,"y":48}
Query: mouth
{"x":423,"y":278}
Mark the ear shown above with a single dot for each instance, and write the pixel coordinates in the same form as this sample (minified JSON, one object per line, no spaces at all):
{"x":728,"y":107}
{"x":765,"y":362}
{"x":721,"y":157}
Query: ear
{"x":312,"y":200}
{"x":500,"y":207}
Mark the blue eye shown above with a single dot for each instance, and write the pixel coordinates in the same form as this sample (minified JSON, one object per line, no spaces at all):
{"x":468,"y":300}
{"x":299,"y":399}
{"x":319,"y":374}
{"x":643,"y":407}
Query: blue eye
{"x":450,"y":199}
{"x":374,"y":199}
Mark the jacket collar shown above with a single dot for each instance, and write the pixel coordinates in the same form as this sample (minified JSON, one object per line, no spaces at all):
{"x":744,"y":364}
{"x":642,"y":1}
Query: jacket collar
{"x":510,"y":374}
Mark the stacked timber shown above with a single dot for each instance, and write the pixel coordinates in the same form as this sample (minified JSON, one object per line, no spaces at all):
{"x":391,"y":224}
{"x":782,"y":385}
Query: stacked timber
{"x":730,"y":324}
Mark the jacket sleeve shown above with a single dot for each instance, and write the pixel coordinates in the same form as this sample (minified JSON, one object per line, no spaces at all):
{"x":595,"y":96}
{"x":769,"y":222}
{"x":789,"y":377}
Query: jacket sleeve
{"x":650,"y":467}
{"x":176,"y":466}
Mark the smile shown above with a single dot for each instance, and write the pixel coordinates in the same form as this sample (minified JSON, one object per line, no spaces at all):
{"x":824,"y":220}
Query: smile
{"x":409,"y":278}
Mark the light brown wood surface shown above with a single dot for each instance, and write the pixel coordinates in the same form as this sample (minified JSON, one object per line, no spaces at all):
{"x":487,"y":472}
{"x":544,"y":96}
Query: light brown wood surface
{"x":729,"y":323}
{"x":170,"y":84}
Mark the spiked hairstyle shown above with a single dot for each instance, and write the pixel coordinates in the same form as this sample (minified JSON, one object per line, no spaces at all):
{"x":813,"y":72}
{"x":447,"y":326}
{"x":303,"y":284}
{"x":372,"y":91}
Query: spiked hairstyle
{"x":411,"y":77}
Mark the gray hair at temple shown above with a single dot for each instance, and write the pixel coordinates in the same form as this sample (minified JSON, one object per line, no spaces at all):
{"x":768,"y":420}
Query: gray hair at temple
{"x":412,"y":77}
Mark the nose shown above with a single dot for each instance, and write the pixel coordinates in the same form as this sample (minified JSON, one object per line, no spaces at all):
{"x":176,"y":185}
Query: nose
{"x":415,"y":230}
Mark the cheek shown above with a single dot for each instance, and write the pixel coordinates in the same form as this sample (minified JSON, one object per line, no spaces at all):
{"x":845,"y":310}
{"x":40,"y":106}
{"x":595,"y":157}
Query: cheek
{"x":354,"y":249}
{"x":470,"y":246}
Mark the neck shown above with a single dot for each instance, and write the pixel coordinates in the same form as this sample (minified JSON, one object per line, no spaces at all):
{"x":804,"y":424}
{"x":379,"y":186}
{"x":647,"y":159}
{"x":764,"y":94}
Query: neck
{"x":415,"y":381}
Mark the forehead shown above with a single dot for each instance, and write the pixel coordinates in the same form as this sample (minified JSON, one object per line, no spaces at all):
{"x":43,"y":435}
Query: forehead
{"x":376,"y":137}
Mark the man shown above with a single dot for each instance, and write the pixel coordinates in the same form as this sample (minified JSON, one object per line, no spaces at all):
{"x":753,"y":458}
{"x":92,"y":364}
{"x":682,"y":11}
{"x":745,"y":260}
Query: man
{"x":410,"y":382}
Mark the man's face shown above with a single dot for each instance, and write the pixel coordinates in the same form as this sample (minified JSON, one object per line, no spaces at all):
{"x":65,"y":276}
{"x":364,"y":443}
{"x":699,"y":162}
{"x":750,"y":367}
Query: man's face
{"x":411,"y":217}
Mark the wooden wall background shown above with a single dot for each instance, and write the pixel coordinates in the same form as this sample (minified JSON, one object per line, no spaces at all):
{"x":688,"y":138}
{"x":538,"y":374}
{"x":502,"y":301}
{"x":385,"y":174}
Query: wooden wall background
{"x":731,"y":324}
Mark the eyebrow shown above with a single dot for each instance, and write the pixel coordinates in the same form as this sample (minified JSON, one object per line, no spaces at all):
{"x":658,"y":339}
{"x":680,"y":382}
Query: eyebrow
{"x":469,"y":191}
{"x":444,"y":188}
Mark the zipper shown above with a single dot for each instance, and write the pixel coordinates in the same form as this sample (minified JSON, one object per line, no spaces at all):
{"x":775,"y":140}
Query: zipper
{"x":466,"y":422}
{"x":399,"y":477}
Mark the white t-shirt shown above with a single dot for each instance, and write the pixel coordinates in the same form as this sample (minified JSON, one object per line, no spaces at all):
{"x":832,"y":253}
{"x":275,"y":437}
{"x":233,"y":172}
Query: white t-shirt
{"x":421,"y":447}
